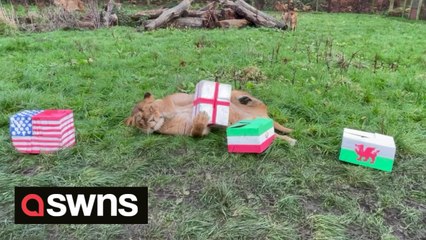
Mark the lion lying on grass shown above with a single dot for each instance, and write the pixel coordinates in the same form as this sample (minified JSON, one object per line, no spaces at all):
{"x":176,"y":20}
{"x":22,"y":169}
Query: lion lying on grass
{"x":173,"y":115}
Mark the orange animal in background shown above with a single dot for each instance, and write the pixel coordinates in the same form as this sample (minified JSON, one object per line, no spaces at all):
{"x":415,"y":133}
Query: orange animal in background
{"x":290,"y":19}
{"x":279,"y":6}
{"x":70,"y":5}
{"x":289,"y":15}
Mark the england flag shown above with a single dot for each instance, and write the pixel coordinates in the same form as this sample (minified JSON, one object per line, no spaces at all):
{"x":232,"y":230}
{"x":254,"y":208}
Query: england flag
{"x":42,"y":131}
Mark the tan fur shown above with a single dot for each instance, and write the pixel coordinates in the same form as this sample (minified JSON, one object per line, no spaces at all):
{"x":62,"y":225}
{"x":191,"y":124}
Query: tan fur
{"x":279,"y":6}
{"x":70,"y":5}
{"x":173,"y":115}
{"x":290,"y":18}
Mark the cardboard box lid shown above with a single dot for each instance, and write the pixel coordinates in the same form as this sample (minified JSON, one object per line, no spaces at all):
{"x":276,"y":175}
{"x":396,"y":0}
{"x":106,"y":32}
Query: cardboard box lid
{"x":254,"y":127}
{"x":374,"y":138}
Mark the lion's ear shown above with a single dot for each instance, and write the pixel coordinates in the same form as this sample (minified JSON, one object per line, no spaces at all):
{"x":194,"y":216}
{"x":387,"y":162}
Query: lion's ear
{"x":147,"y":95}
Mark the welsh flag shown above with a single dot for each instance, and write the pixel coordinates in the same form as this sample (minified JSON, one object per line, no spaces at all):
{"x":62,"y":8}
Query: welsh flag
{"x":367,"y":149}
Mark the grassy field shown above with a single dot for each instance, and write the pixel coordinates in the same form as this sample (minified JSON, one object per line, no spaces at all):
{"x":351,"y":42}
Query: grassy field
{"x":337,"y":70}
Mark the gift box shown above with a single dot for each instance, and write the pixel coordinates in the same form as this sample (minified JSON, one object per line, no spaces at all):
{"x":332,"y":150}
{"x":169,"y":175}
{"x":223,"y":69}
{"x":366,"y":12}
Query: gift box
{"x":213,"y":98}
{"x":250,"y":136}
{"x":368,"y":149}
{"x":42,"y":131}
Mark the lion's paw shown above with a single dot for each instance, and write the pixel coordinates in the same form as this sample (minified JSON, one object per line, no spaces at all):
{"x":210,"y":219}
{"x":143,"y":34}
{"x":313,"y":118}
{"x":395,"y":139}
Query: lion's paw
{"x":202,"y":118}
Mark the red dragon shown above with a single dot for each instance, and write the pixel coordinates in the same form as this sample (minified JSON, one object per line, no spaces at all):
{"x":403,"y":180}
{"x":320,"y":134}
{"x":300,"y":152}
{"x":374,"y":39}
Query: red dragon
{"x":369,"y":152}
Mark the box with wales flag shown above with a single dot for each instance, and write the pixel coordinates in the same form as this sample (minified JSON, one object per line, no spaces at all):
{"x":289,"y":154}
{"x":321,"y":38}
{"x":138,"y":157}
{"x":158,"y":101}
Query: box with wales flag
{"x":250,"y":136}
{"x":372,"y":150}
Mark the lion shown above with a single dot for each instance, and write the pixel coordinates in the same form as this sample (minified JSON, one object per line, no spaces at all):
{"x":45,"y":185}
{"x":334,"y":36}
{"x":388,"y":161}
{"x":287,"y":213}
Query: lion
{"x":290,"y":18}
{"x":172,"y":115}
{"x":288,"y":13}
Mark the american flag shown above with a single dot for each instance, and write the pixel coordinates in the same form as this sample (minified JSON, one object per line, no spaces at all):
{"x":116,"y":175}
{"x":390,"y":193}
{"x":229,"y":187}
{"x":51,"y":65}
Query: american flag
{"x":38,"y":131}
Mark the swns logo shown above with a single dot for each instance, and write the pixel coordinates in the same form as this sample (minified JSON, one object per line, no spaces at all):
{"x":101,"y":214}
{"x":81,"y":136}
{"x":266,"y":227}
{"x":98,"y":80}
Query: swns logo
{"x":81,"y":205}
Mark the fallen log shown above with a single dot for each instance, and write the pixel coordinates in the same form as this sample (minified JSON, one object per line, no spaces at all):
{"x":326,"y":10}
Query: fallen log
{"x":238,"y":12}
{"x":187,"y":22}
{"x":233,"y":23}
{"x":85,"y":24}
{"x":222,"y":14}
{"x":253,"y":15}
{"x":211,"y":19}
{"x":255,"y":10}
{"x":194,"y":13}
{"x":209,"y":6}
{"x":147,"y":14}
{"x":226,"y":14}
{"x":168,"y":15}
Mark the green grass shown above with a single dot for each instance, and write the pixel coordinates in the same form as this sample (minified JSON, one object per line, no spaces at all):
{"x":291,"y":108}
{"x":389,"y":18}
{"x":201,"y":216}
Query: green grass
{"x":196,"y":189}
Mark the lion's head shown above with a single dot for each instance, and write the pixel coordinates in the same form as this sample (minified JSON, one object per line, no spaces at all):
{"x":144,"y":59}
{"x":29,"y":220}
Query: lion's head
{"x":146,"y":115}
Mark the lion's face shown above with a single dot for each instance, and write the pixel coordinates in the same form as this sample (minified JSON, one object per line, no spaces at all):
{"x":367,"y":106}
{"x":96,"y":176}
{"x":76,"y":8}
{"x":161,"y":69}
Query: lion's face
{"x":146,"y":115}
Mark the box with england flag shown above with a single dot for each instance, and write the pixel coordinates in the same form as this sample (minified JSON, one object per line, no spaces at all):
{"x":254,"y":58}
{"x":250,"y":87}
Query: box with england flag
{"x":213,"y":98}
{"x":250,"y":136}
{"x":42,"y":131}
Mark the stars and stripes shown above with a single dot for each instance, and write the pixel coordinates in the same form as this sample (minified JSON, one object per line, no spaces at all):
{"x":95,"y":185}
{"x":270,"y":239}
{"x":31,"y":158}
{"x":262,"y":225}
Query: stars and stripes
{"x":36,"y":131}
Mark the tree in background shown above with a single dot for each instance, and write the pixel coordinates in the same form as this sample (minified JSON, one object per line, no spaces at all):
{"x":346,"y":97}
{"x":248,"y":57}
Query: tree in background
{"x":391,"y":3}
{"x":419,"y":8}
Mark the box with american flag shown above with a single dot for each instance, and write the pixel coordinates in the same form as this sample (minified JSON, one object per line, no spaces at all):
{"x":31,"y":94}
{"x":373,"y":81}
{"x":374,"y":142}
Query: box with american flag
{"x":42,"y":131}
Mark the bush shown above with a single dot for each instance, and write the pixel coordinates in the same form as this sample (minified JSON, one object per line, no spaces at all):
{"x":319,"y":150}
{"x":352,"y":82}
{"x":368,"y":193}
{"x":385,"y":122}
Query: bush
{"x":8,"y":24}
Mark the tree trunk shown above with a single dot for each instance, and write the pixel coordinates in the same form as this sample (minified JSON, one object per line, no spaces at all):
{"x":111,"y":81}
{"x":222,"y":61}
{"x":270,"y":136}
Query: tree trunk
{"x":148,"y":14}
{"x":188,"y":22}
{"x":256,"y":11}
{"x":196,"y":13}
{"x":316,"y":5}
{"x":168,"y":15}
{"x":226,"y":14}
{"x":108,"y":17}
{"x":85,"y":24}
{"x":404,"y":6}
{"x":391,"y":3}
{"x":209,"y":6}
{"x":253,"y":15}
{"x":373,"y":6}
{"x":413,"y":9}
{"x":233,"y":23}
{"x":419,"y":9}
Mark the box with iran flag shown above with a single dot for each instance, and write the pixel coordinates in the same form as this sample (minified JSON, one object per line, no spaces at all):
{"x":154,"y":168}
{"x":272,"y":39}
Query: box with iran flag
{"x":42,"y":131}
{"x":250,"y":136}
{"x":213,"y":98}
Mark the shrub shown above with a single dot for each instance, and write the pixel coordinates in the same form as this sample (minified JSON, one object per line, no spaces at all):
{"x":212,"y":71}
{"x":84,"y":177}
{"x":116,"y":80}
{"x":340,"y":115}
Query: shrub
{"x":8,"y":25}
